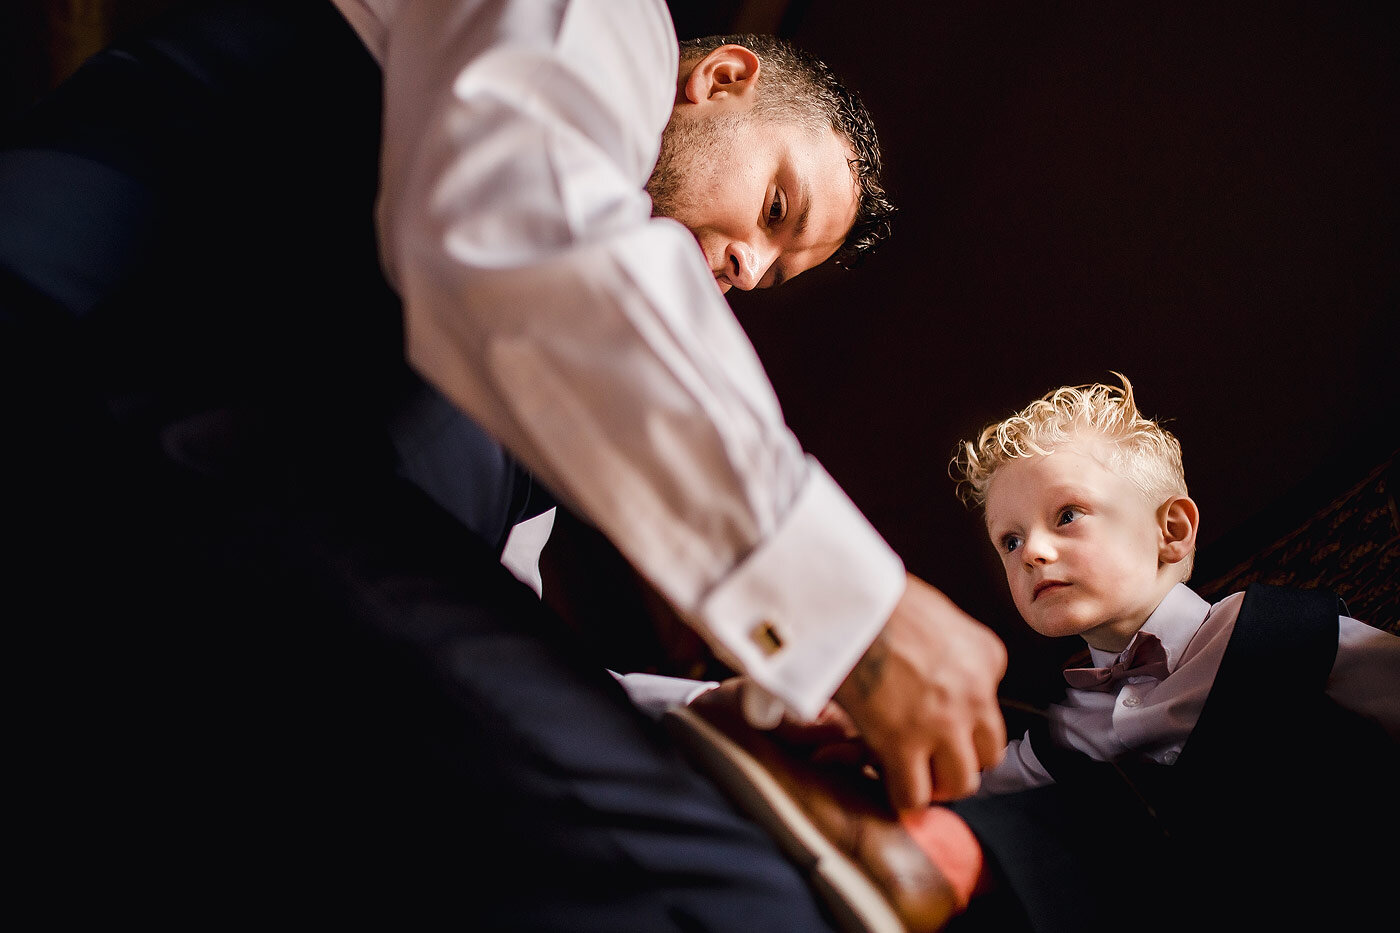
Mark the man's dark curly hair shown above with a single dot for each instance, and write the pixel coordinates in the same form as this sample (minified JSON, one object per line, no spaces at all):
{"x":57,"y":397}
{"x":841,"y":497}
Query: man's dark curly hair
{"x":798,"y":88}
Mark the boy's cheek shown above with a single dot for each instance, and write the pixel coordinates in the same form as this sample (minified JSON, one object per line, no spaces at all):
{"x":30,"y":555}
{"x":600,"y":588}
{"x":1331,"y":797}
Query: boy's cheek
{"x":1021,"y":597}
{"x":1012,"y":585}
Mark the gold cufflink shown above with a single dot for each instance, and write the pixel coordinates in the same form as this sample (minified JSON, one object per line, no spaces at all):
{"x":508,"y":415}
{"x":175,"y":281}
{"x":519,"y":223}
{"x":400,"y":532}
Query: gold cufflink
{"x":766,"y":637}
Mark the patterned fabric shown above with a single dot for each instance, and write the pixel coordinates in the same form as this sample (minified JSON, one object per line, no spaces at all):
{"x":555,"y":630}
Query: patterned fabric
{"x":1351,"y":547}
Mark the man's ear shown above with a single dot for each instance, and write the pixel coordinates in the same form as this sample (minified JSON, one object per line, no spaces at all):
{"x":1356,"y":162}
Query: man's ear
{"x":1177,"y":519}
{"x":725,"y":75}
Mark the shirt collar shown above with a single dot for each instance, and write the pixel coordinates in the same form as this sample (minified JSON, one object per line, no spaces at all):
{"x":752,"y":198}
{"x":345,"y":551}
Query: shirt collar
{"x":1175,"y":621}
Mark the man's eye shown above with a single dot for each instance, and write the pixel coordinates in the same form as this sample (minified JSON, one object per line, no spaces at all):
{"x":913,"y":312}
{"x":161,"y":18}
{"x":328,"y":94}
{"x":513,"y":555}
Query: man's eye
{"x":1069,"y":514}
{"x":1010,"y":543}
{"x":775,"y":210}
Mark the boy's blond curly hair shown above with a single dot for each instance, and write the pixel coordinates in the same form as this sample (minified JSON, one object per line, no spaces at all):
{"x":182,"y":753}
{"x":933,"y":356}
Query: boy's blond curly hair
{"x":1138,"y":448}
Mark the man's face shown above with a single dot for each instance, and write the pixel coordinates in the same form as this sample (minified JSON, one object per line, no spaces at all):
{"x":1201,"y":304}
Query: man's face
{"x":1079,"y":545}
{"x":765,"y":200}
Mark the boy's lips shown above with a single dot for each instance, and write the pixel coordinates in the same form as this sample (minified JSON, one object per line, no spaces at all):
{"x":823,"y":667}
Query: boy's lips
{"x":1044,"y":585}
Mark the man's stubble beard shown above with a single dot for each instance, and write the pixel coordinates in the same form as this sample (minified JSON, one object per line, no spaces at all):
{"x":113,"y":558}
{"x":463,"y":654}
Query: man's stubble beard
{"x":687,"y":147}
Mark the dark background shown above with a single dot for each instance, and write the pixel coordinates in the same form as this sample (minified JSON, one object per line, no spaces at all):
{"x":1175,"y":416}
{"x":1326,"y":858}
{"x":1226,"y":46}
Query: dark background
{"x":1200,"y":195}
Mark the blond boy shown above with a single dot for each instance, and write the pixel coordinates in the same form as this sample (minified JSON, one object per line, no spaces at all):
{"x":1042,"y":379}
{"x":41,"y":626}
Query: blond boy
{"x":1222,"y":764}
{"x":1086,"y":503}
{"x":1099,"y":821}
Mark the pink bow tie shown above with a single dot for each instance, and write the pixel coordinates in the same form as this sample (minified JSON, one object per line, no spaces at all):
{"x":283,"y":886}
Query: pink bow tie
{"x":1144,"y":658}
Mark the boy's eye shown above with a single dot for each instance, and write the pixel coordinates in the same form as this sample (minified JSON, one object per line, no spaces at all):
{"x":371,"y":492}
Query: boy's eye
{"x":775,"y":209}
{"x":1010,"y":543}
{"x":1069,"y":514}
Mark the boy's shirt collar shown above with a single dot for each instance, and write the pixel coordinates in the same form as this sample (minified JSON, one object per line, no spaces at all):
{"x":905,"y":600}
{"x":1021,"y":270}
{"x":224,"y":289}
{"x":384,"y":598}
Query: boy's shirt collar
{"x":1175,"y":622}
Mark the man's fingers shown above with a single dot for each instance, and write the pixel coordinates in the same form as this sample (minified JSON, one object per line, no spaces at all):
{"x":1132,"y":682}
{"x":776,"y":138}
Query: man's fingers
{"x":909,"y":784}
{"x":989,"y":739}
{"x":924,"y":696}
{"x":955,"y":771}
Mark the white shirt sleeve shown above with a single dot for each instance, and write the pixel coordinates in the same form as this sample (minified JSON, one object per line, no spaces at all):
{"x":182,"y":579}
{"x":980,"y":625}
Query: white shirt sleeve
{"x":590,"y":339}
{"x":1019,"y":770}
{"x":1365,"y":677}
{"x":524,"y":545}
{"x":654,"y":694}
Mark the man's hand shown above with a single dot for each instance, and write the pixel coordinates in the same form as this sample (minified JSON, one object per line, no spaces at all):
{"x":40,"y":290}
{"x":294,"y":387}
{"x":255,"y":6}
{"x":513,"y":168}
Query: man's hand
{"x":924,"y":696}
{"x":832,"y":729}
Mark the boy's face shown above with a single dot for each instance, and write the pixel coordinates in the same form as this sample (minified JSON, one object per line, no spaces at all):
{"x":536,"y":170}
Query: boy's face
{"x":1080,"y":546}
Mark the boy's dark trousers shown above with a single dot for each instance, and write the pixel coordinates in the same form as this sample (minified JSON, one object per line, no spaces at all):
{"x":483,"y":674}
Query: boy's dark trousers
{"x":256,"y":669}
{"x":1272,"y":815}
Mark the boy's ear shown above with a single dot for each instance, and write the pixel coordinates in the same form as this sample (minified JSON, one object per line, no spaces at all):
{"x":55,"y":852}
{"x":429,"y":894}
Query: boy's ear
{"x":1177,"y":519}
{"x":727,"y":74}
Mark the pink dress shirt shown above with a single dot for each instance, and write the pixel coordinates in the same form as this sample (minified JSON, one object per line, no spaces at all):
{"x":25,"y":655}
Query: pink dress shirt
{"x":1154,"y":717}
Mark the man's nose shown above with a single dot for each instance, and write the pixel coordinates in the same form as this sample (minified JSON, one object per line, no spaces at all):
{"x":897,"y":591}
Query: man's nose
{"x":748,"y":263}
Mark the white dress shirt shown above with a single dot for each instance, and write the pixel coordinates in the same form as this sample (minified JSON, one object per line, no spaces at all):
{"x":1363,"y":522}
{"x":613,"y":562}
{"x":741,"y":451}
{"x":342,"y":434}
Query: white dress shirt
{"x":590,"y":339}
{"x":1155,"y":717}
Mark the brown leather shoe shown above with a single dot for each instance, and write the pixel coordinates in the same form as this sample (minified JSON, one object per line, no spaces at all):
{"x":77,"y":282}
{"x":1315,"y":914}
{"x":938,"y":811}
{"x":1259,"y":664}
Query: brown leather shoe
{"x":835,"y":823}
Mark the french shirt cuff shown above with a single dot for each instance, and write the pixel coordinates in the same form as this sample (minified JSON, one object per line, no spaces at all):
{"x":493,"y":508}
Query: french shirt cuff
{"x":797,"y":614}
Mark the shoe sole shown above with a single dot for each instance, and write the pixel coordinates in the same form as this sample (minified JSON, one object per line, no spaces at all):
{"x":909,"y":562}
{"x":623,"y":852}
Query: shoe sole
{"x":855,"y":902}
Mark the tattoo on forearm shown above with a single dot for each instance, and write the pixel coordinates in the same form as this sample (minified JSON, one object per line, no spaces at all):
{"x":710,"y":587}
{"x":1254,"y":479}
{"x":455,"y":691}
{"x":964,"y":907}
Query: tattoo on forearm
{"x":870,"y":669}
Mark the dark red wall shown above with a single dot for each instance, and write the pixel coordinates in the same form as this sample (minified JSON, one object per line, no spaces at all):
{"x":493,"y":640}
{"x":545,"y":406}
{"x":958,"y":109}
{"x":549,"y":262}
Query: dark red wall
{"x":1202,"y":196}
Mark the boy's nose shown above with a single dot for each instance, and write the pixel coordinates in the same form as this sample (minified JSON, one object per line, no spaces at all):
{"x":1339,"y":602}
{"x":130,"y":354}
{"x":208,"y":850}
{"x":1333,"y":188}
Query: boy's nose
{"x":1037,"y":551}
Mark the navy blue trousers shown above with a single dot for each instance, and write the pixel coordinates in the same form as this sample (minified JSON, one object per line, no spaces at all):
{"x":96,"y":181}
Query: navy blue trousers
{"x":259,"y":670}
